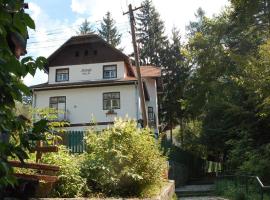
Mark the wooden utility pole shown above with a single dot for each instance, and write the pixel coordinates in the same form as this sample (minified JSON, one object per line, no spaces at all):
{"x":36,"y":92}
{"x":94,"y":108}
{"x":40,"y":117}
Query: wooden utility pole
{"x":137,"y":62}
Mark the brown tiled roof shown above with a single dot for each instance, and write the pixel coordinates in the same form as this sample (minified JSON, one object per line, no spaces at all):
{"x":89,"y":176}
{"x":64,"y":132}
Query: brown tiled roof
{"x":148,"y":71}
{"x":85,"y":39}
{"x":100,"y":83}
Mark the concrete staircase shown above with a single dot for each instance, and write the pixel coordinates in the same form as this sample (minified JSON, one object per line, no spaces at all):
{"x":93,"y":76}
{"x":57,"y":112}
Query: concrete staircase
{"x":197,"y":187}
{"x":195,"y":190}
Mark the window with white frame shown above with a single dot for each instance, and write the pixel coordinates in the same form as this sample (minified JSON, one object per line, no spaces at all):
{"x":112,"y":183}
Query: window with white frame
{"x":151,"y":115}
{"x":111,"y":100}
{"x":109,"y":71}
{"x":62,"y":75}
{"x":59,"y":104}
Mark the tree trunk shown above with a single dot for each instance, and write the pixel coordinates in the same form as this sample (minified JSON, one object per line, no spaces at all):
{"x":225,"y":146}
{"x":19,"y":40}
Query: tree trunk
{"x":181,"y":132}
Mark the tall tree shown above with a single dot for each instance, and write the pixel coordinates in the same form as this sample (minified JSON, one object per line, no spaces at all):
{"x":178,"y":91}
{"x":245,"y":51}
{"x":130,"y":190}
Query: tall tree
{"x":85,"y":28}
{"x":14,"y":25}
{"x":228,"y":89}
{"x":108,"y":31}
{"x":175,"y":72}
{"x":151,"y":37}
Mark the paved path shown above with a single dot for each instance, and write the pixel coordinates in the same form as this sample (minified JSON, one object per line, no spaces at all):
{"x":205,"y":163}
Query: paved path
{"x":201,"y":198}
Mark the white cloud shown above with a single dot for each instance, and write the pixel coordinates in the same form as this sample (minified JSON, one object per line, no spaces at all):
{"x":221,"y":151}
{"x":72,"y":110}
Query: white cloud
{"x":173,"y":12}
{"x":180,"y":12}
{"x":82,"y":6}
{"x":45,"y":39}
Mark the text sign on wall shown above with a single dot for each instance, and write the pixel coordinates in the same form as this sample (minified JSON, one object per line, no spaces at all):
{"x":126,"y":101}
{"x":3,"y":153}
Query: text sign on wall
{"x":86,"y":71}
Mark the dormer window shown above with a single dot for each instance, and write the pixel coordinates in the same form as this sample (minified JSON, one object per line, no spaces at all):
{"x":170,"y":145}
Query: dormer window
{"x":109,"y":71}
{"x":62,"y":75}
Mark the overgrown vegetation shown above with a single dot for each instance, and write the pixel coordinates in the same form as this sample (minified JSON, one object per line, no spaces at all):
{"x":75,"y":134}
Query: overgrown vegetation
{"x":234,"y":190}
{"x":14,"y":23}
{"x":123,"y":160}
{"x":70,"y":182}
{"x":216,"y":85}
{"x":120,"y":161}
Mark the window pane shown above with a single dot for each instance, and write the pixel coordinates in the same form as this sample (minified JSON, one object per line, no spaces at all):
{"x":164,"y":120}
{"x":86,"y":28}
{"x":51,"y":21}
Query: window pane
{"x":115,"y":95}
{"x":107,"y":95}
{"x":150,"y":113}
{"x":113,"y":73}
{"x":106,"y":104}
{"x":61,"y":100}
{"x":107,"y":74}
{"x":52,"y":105}
{"x":115,"y":103}
{"x":62,"y":71}
{"x":53,"y":100}
{"x":109,"y":67}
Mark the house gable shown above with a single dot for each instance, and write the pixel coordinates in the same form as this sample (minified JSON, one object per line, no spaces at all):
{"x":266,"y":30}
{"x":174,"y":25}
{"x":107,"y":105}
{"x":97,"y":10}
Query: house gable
{"x":85,"y":49}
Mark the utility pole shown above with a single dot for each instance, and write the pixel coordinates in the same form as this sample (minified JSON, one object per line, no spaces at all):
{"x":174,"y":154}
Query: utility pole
{"x":137,"y":63}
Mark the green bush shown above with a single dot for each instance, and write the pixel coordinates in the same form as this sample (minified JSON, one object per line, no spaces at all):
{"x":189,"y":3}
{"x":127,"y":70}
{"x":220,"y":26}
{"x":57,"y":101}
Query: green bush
{"x":122,"y":160}
{"x":70,"y":183}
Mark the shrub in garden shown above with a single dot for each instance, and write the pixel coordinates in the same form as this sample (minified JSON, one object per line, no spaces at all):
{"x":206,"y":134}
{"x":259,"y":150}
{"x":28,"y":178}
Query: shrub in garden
{"x":122,"y":160}
{"x":70,"y":183}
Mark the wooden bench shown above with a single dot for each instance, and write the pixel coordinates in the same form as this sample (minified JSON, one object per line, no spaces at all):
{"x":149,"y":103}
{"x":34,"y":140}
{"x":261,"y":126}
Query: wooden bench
{"x":42,"y":168}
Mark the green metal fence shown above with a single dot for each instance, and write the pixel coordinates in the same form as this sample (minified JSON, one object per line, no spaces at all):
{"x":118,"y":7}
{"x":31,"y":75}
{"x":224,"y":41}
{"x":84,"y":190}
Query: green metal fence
{"x":74,"y":141}
{"x":250,"y":186}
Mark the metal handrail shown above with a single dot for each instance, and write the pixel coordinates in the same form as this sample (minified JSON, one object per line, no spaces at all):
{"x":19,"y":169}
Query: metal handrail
{"x":262,"y":186}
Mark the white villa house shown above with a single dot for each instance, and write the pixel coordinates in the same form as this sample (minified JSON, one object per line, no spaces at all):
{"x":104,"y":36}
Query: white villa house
{"x":91,"y":80}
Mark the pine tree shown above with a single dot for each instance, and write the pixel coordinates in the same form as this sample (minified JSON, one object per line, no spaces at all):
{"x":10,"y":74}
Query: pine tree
{"x":85,"y":28}
{"x":151,"y":37}
{"x":176,"y":71}
{"x":108,"y":30}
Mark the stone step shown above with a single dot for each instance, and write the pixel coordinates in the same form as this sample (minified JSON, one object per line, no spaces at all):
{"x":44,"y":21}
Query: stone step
{"x":195,"y":190}
{"x":202,"y":198}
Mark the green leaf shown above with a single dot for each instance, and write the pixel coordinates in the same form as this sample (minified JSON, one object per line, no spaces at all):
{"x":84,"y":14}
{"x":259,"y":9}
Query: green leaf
{"x":18,"y":23}
{"x":40,"y":126}
{"x":27,"y":59}
{"x":29,"y":21}
{"x":25,"y":89}
{"x":5,"y":17}
{"x":41,"y":62}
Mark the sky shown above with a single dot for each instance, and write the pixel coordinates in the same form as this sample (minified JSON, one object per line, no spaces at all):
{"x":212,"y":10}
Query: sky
{"x":58,"y":20}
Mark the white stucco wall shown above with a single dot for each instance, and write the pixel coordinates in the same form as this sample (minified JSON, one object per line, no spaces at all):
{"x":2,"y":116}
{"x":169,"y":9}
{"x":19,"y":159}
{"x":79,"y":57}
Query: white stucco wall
{"x":96,"y":72}
{"x":86,"y":104}
{"x":152,"y":90}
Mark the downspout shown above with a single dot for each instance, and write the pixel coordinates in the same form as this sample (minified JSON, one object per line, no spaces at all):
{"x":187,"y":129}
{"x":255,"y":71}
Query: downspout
{"x":34,"y":103}
{"x":137,"y":101}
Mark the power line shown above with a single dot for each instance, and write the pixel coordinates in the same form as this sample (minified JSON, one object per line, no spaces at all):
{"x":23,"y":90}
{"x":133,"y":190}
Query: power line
{"x":59,"y":30}
{"x":39,"y":44}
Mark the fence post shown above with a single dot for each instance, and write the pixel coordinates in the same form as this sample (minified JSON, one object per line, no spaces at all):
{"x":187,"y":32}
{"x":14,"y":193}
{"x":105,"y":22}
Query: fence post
{"x":261,"y":193}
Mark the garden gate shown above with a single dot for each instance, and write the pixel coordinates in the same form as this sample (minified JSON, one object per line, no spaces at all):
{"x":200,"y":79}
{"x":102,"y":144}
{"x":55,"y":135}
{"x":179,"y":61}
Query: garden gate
{"x":74,"y":141}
